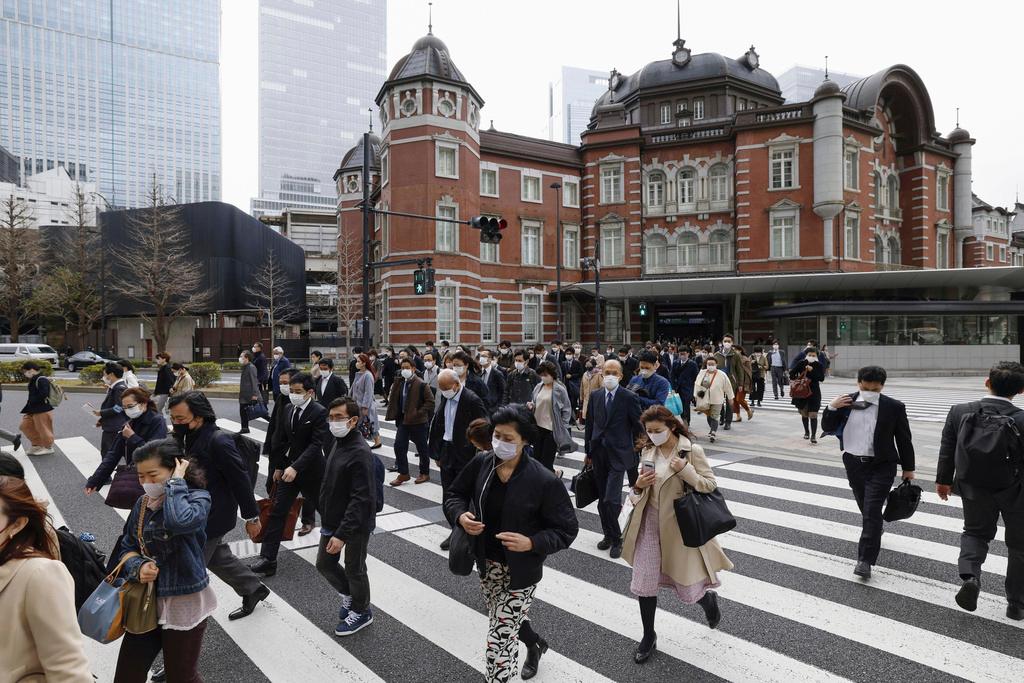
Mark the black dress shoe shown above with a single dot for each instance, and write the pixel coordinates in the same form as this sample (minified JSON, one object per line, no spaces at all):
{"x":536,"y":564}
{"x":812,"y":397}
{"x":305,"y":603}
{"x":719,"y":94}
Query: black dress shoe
{"x":727,"y":427}
{"x":392,"y":469}
{"x":17,"y":442}
{"x":863,"y":570}
{"x":446,"y":543}
{"x":249,"y":603}
{"x":967,"y":596}
{"x":644,"y":650}
{"x":616,"y":550}
{"x":158,"y":674}
{"x":533,"y":653}
{"x":711,"y":610}
{"x":1014,"y":612}
{"x":264,"y":566}
{"x":604,"y":543}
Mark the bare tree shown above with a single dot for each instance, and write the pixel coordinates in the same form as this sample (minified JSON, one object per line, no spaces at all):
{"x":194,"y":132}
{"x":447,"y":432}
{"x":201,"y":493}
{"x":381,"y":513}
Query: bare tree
{"x":350,"y":285}
{"x":271,"y":289}
{"x":156,"y":269}
{"x":19,"y":260}
{"x":69,"y":290}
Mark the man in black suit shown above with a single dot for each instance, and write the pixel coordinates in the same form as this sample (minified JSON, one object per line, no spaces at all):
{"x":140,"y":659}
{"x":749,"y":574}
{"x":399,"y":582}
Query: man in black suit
{"x":493,"y":378}
{"x":628,"y":363}
{"x":613,"y":423}
{"x":684,"y":374}
{"x":457,"y":407}
{"x":329,"y":386}
{"x":280,"y":445}
{"x":990,"y":481}
{"x":874,"y":434}
{"x":298,"y":468}
{"x":556,"y":356}
{"x":111,"y":416}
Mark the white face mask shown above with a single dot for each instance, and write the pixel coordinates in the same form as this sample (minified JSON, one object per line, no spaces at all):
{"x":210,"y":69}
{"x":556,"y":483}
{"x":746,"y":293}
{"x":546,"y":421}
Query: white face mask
{"x":775,"y":347}
{"x":277,"y":356}
{"x":255,"y":350}
{"x":547,"y":379}
{"x":428,"y":364}
{"x":133,"y":412}
{"x":520,"y":365}
{"x":610,"y":382}
{"x":871,"y":396}
{"x":485,"y":362}
{"x":646,"y":373}
{"x":339,"y":429}
{"x":726,"y":346}
{"x":503,"y":449}
{"x":407,"y":373}
{"x":241,"y":360}
{"x":812,"y":359}
{"x":460,"y":370}
{"x":658,"y":438}
{"x":449,"y":393}
{"x":297,"y":399}
{"x":154,"y":490}
{"x":711,"y":367}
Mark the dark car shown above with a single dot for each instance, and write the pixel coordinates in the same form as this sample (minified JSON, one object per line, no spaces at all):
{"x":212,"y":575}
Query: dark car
{"x":82,"y":359}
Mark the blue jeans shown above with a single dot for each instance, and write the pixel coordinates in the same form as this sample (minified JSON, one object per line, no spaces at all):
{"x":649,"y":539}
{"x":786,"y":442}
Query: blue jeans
{"x":418,"y":435}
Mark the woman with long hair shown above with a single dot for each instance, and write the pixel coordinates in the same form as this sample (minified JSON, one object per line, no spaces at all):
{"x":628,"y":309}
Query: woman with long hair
{"x":41,"y":638}
{"x":671,"y":466}
{"x":362,"y":394}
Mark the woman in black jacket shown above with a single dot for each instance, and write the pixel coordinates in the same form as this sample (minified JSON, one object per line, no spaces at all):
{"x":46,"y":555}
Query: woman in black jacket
{"x":145,"y":423}
{"x":516,"y":513}
{"x":37,"y":415}
{"x":811,"y":368}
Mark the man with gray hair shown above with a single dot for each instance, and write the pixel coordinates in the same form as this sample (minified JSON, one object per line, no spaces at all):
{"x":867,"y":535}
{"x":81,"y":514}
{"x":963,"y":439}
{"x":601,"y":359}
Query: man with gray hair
{"x":280,"y":363}
{"x":457,"y":407}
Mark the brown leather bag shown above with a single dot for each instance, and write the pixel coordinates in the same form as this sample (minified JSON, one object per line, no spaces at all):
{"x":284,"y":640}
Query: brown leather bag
{"x":267,"y":504}
{"x":801,"y":386}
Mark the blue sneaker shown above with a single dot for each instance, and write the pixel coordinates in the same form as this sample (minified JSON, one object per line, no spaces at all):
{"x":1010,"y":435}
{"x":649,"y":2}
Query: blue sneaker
{"x":346,"y":606}
{"x":355,"y":621}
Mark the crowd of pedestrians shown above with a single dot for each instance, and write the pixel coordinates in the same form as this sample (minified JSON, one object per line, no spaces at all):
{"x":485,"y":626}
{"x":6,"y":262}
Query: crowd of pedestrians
{"x":496,"y":422}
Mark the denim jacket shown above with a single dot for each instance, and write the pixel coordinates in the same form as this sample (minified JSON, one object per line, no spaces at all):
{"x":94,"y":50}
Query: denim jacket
{"x":174,"y":536}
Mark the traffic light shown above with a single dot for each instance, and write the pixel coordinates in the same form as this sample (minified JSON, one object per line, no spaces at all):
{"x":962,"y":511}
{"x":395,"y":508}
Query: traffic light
{"x":419,"y":281}
{"x":490,"y":228}
{"x":643,"y":309}
{"x":430,"y":279}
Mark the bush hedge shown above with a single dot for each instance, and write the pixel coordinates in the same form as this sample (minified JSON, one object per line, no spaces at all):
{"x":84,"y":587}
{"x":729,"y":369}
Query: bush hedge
{"x":231,"y":366}
{"x":91,"y":374}
{"x":10,"y":371}
{"x":204,"y":374}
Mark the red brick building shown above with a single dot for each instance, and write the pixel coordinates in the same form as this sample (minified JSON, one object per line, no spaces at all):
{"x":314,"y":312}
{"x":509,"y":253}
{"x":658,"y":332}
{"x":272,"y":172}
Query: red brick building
{"x":703,"y":195}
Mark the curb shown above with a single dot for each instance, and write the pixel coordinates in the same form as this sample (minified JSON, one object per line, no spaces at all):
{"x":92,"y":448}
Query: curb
{"x":100,"y":390}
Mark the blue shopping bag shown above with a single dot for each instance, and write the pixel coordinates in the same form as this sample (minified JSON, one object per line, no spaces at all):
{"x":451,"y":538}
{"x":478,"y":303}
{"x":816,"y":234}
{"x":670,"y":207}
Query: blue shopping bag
{"x":102,"y":616}
{"x":674,"y":403}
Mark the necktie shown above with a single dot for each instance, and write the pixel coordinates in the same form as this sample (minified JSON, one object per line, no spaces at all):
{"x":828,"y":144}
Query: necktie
{"x":608,"y":402}
{"x":295,"y":419}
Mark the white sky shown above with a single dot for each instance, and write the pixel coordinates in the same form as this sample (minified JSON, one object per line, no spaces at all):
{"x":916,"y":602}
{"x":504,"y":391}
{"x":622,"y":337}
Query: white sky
{"x":968,"y":55}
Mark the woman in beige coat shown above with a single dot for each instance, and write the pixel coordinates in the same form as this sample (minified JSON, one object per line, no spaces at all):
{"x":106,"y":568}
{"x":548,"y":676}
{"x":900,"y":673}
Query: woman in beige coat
{"x":41,"y":641}
{"x":712,"y":392}
{"x":671,"y":466}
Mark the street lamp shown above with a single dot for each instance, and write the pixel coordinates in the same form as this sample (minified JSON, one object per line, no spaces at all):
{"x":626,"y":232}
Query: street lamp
{"x":557,"y":187}
{"x":589,"y":262}
{"x":103,"y":271}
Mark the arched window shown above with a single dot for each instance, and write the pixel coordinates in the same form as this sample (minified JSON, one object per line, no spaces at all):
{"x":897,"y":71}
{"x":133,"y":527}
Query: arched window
{"x":656,"y":189}
{"x":720,"y":248}
{"x":879,"y":249}
{"x":718,"y":178}
{"x":656,"y":252}
{"x":686,"y":186}
{"x":894,"y":251}
{"x":892,"y":191}
{"x":879,"y":199}
{"x":686,"y":249}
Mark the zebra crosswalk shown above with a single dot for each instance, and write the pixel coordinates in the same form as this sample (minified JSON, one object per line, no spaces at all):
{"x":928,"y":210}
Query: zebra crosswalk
{"x":793,"y":610}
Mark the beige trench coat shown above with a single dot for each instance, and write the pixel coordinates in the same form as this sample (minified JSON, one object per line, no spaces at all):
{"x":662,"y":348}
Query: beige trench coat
{"x":686,"y":566}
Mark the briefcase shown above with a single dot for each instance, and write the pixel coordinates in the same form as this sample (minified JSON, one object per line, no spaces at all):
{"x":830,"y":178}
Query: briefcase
{"x":902,"y":501}
{"x":267,"y":504}
{"x":585,"y":488}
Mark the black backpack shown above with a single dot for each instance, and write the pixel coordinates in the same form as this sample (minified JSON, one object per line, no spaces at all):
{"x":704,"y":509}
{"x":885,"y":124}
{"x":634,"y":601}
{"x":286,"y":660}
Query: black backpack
{"x":991,"y":445}
{"x":249,"y":449}
{"x":84,"y":562}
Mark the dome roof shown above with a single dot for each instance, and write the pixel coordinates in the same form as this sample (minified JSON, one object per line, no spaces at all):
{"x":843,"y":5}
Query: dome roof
{"x":353,"y":159}
{"x":827,"y":87}
{"x":958,"y":135}
{"x":428,"y":58}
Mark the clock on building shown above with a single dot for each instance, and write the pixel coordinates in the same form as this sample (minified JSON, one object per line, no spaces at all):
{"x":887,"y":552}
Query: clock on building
{"x":681,"y":54}
{"x":751,"y":58}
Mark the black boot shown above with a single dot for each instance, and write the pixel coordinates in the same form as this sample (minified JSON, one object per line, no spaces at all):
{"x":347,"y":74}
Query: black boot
{"x":646,"y":648}
{"x":710,"y":604}
{"x":533,"y":654}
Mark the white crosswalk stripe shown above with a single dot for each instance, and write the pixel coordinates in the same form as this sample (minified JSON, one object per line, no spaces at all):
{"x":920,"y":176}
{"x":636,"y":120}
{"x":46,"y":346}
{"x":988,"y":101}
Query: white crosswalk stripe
{"x":287,"y":639}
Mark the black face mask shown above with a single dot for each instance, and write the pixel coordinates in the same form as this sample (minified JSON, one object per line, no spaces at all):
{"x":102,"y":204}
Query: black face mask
{"x":180,"y":430}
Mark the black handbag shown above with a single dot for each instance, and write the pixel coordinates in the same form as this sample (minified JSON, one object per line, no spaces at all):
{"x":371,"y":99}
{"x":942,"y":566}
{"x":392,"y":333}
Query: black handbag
{"x":585,"y":488}
{"x":702,"y":516}
{"x":902,"y":501}
{"x":257,"y":411}
{"x":461,"y":552}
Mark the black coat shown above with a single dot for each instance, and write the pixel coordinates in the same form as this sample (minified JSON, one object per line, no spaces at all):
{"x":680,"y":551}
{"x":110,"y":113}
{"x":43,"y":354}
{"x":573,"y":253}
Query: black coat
{"x":816,"y":374}
{"x":38,"y":396}
{"x":303,"y":447}
{"x":470,"y":408}
{"x":259,"y":361}
{"x":572,"y":371}
{"x":336,"y":388}
{"x":475,"y":383}
{"x":684,"y":375}
{"x":164,"y":380}
{"x":348,"y":494}
{"x":629,"y":368}
{"x":536,"y":505}
{"x":951,"y":465}
{"x":612,"y":434}
{"x":147,"y":427}
{"x":519,"y":386}
{"x":112,"y":416}
{"x":892,"y":439}
{"x":227,"y":478}
{"x":495,"y":388}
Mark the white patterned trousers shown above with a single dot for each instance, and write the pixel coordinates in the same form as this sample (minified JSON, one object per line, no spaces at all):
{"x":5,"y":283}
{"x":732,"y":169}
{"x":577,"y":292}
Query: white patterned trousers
{"x":506,"y":609}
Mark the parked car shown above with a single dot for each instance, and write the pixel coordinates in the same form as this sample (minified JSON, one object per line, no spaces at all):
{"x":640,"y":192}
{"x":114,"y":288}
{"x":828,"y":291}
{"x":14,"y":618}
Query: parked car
{"x":82,"y":359}
{"x":15,"y":352}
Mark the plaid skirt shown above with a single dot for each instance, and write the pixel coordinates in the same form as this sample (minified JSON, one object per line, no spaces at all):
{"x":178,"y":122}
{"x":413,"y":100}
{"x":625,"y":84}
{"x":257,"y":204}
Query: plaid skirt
{"x":647,"y":574}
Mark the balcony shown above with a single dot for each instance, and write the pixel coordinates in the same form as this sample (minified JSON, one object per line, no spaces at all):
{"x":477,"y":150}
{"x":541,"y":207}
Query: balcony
{"x":698,"y":258}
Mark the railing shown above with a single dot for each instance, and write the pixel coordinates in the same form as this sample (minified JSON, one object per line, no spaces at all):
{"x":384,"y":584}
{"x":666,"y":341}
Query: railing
{"x":781,"y":115}
{"x":701,"y":258}
{"x":696,"y":134}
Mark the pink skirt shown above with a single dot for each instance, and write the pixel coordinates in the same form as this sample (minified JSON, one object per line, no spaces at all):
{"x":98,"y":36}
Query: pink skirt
{"x":647,"y":574}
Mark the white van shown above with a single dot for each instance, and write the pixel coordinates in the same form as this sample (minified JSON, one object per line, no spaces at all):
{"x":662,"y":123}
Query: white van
{"x":13,"y":352}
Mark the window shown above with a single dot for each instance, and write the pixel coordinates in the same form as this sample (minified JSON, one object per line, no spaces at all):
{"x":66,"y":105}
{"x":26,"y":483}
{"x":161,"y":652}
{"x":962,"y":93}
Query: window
{"x":686,"y":178}
{"x":720,"y":248}
{"x":942,"y":192}
{"x":385,"y":167}
{"x":741,"y":104}
{"x":783,"y":243}
{"x":447,"y":231}
{"x":570,"y":193}
{"x":445,"y":313}
{"x":851,"y":179}
{"x":446,"y":162}
{"x":879,"y":199}
{"x":1002,"y":254}
{"x":892,"y":195}
{"x":656,"y":252}
{"x":571,"y":321}
{"x":989,"y":252}
{"x":851,"y":232}
{"x":656,"y":189}
{"x":613,"y":324}
{"x":719,"y":179}
{"x":488,"y":322}
{"x":611,"y":184}
{"x":879,"y":249}
{"x":666,"y":113}
{"x":531,"y":317}
{"x":531,"y":188}
{"x":570,"y":246}
{"x":783,"y":176}
{"x":686,"y":249}
{"x":531,"y":244}
{"x":613,"y":245}
{"x":942,"y":249}
{"x":489,"y":182}
{"x":698,"y":108}
{"x":894,"y":251}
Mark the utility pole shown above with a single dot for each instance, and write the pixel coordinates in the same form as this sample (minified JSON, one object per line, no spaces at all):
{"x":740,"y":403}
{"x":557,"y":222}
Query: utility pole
{"x":593,"y":262}
{"x":366,"y":241}
{"x":557,"y":187}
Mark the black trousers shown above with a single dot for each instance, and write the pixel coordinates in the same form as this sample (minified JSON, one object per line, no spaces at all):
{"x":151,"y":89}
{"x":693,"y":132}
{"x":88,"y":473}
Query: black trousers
{"x":352,"y":580}
{"x":609,"y":486}
{"x":106,"y":441}
{"x":778,"y":380}
{"x":870,"y":483}
{"x":418,"y":435}
{"x":758,"y":392}
{"x":308,"y":484}
{"x":450,"y":464}
{"x":981,"y":513}
{"x":243,"y":416}
{"x":544,"y":450}
{"x":181,"y":654}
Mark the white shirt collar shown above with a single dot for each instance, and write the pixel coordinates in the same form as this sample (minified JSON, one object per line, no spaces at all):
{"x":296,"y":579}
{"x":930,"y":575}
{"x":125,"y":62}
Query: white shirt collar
{"x":998,"y":398}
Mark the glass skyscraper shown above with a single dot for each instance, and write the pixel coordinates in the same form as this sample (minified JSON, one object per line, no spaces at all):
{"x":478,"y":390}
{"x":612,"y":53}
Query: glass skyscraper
{"x":320,"y":65}
{"x":570,"y":100}
{"x":114,"y":91}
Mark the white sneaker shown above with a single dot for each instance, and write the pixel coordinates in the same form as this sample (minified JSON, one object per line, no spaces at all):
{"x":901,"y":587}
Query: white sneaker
{"x":33,"y":450}
{"x":43,"y":451}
